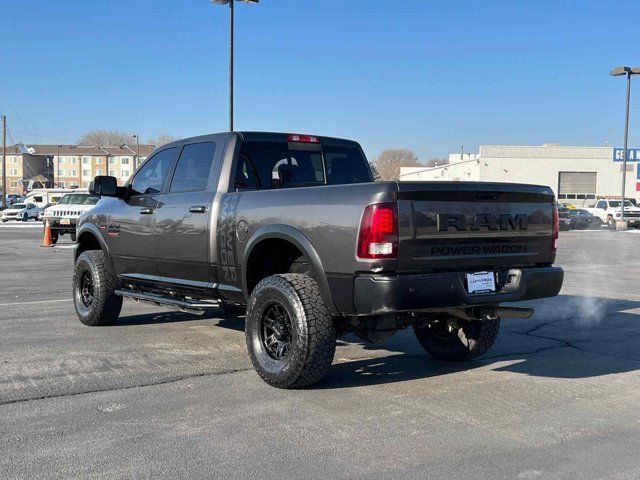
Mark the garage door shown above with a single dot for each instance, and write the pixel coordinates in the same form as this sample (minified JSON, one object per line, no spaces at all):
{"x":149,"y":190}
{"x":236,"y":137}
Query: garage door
{"x":577,"y":185}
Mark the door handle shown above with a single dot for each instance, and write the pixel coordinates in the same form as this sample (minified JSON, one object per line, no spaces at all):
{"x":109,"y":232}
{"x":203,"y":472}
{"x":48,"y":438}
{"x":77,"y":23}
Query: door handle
{"x":198,"y":209}
{"x":146,"y":211}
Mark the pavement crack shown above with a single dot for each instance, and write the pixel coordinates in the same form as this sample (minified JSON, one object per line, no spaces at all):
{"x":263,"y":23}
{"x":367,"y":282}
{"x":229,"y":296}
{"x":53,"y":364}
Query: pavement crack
{"x":127,"y":387}
{"x":566,"y":343}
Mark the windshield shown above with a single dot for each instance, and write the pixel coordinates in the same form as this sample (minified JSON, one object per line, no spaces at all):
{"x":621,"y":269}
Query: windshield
{"x":616,"y":203}
{"x":79,"y":199}
{"x":19,"y":205}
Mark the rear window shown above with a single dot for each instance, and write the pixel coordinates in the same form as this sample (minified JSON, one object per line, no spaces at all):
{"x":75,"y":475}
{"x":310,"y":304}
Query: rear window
{"x":272,"y":165}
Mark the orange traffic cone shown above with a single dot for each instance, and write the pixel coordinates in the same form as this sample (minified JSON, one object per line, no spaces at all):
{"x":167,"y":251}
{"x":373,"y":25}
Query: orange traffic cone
{"x":46,"y":241}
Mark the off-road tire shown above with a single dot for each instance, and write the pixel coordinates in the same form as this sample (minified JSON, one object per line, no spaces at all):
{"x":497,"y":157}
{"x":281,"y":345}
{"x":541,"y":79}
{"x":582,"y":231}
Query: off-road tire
{"x":54,"y":238}
{"x":72,"y":236}
{"x":313,"y":331}
{"x":472,"y":340}
{"x":232,"y":309}
{"x":105,"y":307}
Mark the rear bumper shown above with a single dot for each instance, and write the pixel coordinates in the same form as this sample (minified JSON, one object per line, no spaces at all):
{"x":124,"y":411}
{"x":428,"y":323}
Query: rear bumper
{"x":376,"y":295}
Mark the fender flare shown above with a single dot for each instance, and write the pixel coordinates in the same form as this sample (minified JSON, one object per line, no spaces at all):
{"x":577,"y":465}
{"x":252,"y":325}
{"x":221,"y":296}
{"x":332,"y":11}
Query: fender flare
{"x":95,"y":231}
{"x":297,"y":238}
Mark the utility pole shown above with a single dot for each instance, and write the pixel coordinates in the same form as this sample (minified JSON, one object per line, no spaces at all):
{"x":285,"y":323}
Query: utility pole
{"x":4,"y":162}
{"x":136,"y":164}
{"x":57,"y":169}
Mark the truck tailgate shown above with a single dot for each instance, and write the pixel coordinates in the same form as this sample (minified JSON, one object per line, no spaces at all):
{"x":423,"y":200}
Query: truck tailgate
{"x":472,"y":225}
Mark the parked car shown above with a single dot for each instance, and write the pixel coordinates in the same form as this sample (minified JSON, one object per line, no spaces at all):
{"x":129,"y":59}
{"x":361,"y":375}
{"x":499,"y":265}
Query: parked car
{"x":64,"y":215}
{"x":564,"y":218}
{"x":609,"y":211}
{"x":294,"y":228}
{"x":582,"y":219}
{"x":20,"y":211}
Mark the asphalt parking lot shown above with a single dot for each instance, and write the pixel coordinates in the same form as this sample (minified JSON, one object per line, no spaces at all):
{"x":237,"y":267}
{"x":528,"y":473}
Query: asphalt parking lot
{"x":169,"y":395}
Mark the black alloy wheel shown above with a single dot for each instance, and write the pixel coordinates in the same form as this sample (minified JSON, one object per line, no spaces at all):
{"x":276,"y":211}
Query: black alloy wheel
{"x":276,"y":331}
{"x":86,"y":289}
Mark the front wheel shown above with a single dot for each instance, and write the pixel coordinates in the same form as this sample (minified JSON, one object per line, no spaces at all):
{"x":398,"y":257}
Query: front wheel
{"x":611,"y":223}
{"x":93,"y":290}
{"x":455,"y":340}
{"x":290,"y":333}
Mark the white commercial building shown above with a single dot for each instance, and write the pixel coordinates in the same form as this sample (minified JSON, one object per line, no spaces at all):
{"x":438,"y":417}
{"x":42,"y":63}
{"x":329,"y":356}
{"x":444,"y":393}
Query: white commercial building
{"x":576,"y":174}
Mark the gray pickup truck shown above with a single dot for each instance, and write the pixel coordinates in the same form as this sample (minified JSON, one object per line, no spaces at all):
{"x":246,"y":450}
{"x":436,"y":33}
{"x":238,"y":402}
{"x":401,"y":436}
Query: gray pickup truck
{"x":293,"y":229}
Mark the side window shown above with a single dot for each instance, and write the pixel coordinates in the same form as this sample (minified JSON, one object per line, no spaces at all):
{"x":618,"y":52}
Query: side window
{"x":602,"y":205}
{"x":194,"y":167}
{"x":153,"y":173}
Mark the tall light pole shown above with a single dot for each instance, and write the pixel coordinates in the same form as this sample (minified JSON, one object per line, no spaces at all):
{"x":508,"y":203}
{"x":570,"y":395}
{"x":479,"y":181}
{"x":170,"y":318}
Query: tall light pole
{"x":230,"y":2}
{"x":617,"y":72}
{"x":57,"y":169}
{"x":4,"y":162}
{"x":137,"y":162}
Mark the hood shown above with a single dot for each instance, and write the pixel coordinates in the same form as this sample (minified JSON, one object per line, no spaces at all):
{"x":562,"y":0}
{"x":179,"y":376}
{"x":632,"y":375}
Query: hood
{"x":13,"y":210}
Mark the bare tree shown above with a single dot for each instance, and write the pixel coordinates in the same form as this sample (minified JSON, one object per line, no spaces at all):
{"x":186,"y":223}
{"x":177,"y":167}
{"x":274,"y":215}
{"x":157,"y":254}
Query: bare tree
{"x":389,"y":162}
{"x":105,"y":138}
{"x":161,"y":140}
{"x":374,"y":171}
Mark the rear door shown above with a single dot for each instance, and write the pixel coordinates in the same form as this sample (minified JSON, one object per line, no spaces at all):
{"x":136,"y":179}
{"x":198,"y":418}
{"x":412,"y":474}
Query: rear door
{"x":181,"y":231}
{"x":467,"y":225}
{"x":130,"y":226}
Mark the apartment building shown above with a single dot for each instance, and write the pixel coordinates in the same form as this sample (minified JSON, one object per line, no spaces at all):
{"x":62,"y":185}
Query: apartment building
{"x":69,"y":165}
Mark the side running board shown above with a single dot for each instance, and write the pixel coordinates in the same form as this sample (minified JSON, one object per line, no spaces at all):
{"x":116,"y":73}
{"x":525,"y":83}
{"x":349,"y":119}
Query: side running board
{"x":196,"y":307}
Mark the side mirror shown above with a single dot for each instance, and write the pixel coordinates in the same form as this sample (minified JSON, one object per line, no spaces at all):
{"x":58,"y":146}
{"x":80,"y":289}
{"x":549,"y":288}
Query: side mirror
{"x":105,"y":186}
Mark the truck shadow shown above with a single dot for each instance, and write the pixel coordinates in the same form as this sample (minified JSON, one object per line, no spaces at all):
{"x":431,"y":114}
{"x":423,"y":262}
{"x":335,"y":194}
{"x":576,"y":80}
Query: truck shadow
{"x":569,"y":337}
{"x":232,"y":322}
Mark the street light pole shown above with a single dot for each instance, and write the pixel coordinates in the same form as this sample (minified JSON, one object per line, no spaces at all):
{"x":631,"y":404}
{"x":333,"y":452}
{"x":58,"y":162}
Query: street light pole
{"x":57,"y":168}
{"x":626,"y":145}
{"x":628,"y":72}
{"x":231,"y":23}
{"x":4,"y":162}
{"x":137,"y":151}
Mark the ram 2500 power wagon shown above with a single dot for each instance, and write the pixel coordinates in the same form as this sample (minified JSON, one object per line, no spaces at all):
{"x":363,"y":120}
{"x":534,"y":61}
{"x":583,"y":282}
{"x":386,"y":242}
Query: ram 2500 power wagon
{"x":294,"y":229}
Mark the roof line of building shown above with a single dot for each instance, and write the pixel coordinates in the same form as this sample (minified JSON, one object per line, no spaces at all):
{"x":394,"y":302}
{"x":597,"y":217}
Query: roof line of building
{"x":444,"y":165}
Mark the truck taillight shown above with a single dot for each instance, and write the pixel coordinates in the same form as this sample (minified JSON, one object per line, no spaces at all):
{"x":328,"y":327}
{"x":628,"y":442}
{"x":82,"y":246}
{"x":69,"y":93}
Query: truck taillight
{"x":378,"y":236}
{"x":294,"y":137}
{"x":556,"y":230}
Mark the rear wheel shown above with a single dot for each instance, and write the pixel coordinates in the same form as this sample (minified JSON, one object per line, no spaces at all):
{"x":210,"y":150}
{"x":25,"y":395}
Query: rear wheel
{"x":455,"y":340}
{"x":291,"y":335}
{"x":93,"y":290}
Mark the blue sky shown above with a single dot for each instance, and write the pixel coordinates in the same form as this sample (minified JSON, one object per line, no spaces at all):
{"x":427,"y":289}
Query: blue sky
{"x":426,"y":75}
